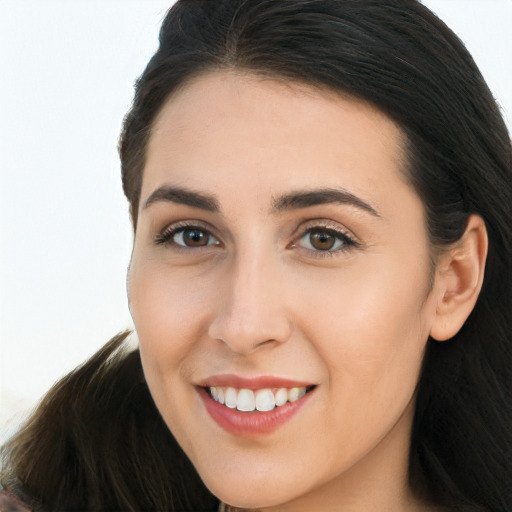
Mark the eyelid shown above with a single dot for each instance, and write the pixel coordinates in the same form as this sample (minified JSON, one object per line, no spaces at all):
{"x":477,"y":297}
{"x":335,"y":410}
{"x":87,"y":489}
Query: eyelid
{"x":350,"y":241}
{"x":165,"y":235}
{"x":328,"y":225}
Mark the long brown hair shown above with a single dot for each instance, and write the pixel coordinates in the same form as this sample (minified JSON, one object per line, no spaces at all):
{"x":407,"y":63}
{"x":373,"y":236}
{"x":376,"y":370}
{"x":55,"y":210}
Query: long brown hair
{"x":98,"y":443}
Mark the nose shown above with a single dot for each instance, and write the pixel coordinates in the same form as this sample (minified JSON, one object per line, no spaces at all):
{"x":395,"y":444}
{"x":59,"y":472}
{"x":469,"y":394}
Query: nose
{"x":251,"y":310}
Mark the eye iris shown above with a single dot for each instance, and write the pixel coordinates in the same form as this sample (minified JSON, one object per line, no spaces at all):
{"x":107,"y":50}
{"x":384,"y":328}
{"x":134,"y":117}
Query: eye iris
{"x":322,"y":240}
{"x":195,"y":238}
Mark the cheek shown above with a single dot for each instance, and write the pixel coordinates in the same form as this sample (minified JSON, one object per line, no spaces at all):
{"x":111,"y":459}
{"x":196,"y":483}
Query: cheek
{"x":166,"y":310}
{"x":371,"y":338}
{"x":371,"y":322}
{"x":164,"y":303}
{"x":166,"y":307}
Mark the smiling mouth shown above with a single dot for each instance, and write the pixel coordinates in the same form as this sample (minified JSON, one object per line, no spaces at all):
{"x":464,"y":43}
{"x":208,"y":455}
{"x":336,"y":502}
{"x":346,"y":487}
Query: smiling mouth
{"x":257,"y":400}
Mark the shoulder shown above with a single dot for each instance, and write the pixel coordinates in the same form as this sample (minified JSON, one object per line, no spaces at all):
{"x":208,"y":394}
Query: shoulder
{"x":9,"y":503}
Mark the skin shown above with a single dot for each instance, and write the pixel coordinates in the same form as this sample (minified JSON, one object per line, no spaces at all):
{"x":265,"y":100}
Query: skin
{"x":260,"y":300}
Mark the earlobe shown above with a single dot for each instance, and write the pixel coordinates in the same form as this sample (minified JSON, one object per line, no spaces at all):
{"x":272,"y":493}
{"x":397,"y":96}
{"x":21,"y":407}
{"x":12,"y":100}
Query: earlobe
{"x":459,"y":278}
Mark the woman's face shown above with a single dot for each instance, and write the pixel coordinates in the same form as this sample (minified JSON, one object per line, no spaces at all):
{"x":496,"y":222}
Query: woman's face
{"x":279,"y":246}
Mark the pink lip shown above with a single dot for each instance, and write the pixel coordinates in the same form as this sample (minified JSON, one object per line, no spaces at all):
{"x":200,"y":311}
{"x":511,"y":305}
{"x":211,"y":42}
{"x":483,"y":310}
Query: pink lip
{"x":253,"y":383}
{"x":251,"y":424}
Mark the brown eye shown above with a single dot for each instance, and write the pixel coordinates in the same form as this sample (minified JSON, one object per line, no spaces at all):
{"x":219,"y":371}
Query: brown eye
{"x":194,"y":237}
{"x":186,"y":236}
{"x":326,"y":240}
{"x":321,"y":240}
{"x":190,"y":237}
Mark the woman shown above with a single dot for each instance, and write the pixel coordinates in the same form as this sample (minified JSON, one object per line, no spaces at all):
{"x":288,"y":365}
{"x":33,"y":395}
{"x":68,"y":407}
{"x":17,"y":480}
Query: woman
{"x":320,"y":279}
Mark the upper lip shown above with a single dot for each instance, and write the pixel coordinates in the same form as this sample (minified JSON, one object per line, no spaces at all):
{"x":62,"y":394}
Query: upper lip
{"x":264,"y":381}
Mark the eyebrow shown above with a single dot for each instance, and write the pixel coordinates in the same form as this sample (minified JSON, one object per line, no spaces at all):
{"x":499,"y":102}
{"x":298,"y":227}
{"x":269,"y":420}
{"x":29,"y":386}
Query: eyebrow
{"x":304,"y":199}
{"x":180,"y":195}
{"x":292,"y":201}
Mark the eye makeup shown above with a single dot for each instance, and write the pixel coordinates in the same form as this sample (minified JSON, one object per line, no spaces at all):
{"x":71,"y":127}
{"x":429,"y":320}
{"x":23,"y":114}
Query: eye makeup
{"x":186,"y":234}
{"x":316,"y":238}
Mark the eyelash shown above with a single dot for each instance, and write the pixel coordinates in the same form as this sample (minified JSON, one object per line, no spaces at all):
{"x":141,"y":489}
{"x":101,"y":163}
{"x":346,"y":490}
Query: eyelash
{"x":345,"y":241}
{"x":167,"y":235}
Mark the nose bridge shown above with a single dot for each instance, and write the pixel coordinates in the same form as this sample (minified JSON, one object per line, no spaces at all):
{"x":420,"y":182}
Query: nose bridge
{"x":251,"y":311}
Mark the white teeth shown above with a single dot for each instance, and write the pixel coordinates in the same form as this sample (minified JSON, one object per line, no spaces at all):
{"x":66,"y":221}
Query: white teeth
{"x":265,"y":400}
{"x":247,"y":400}
{"x":293,"y":394}
{"x":230,"y":397}
{"x":281,"y":396}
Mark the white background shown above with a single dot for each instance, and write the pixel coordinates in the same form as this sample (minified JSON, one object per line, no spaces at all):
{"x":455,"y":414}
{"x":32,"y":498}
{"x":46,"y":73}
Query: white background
{"x":66,"y":75}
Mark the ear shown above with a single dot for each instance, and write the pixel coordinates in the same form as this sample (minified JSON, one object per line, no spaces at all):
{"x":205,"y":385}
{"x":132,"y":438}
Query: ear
{"x":458,"y":280}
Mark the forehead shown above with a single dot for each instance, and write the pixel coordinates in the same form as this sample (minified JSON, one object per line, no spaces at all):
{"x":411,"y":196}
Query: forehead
{"x":228,"y":130}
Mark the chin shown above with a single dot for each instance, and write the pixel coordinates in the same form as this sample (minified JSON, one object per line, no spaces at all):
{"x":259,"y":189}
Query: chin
{"x":254,"y":494}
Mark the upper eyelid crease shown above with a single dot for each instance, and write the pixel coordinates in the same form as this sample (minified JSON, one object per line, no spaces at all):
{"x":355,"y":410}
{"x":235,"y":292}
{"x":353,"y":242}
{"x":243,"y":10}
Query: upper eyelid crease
{"x":185,"y":225}
{"x":331,"y":226}
{"x":342,"y":235}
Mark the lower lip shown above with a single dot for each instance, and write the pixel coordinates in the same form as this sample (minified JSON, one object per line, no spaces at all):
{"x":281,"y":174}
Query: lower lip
{"x":251,"y":424}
